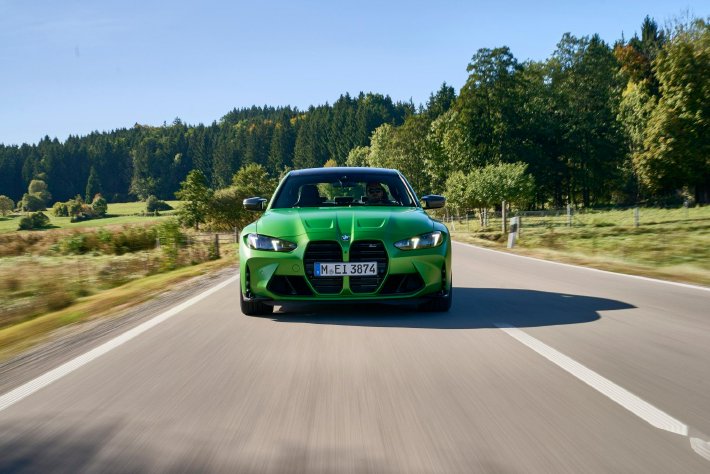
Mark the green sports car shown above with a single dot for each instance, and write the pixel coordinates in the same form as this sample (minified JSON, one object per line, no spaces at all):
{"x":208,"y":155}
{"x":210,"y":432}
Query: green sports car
{"x":344,"y":235}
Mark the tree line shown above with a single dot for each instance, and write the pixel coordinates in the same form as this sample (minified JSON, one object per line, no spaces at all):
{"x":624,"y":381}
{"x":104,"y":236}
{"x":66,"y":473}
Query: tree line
{"x":594,"y":124}
{"x":135,"y":163}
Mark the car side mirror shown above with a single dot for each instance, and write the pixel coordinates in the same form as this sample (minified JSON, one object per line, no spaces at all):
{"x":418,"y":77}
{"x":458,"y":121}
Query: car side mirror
{"x":254,"y":204}
{"x":433,"y":201}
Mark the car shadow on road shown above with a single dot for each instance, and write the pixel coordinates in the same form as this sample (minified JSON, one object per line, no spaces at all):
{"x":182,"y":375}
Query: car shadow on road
{"x":472,"y":308}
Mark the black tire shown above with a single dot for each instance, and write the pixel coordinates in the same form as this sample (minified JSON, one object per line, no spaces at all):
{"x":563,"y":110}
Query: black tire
{"x":438,"y":304}
{"x":254,"y":308}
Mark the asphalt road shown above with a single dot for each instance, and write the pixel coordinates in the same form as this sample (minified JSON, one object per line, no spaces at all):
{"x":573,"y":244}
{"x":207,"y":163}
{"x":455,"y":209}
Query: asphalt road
{"x":604,"y":373}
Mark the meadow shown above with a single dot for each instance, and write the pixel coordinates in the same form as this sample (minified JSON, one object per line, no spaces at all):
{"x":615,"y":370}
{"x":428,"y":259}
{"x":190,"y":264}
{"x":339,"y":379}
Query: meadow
{"x":672,"y":244}
{"x":58,"y":276}
{"x":118,"y":214}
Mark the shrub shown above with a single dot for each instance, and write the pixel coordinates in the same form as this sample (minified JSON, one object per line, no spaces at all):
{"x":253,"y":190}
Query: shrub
{"x":34,"y":221}
{"x":31,"y":203}
{"x":132,"y":239}
{"x":60,"y":209}
{"x":213,"y":249}
{"x":171,"y":238}
{"x":99,"y":206}
{"x":6,"y":205}
{"x":75,"y":244}
{"x":153,"y":204}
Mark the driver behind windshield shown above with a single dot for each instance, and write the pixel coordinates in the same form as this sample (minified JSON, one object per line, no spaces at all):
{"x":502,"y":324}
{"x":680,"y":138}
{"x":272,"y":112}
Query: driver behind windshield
{"x":376,"y":193}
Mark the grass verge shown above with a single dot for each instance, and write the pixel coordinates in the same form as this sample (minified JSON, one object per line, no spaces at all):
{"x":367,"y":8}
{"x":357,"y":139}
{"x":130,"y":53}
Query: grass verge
{"x":663,"y":256}
{"x":19,"y":337}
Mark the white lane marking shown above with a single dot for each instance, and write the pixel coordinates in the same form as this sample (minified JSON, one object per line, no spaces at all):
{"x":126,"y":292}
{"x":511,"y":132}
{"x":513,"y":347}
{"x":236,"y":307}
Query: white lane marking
{"x":654,"y":280}
{"x":42,"y":381}
{"x":623,"y":397}
{"x":701,"y":447}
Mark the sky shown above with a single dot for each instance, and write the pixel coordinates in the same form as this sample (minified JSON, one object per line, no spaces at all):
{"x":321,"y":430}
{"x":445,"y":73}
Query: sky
{"x":77,"y":66}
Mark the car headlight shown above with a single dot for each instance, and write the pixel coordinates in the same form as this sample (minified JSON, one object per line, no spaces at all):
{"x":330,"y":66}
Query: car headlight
{"x":424,"y":241}
{"x":264,"y":242}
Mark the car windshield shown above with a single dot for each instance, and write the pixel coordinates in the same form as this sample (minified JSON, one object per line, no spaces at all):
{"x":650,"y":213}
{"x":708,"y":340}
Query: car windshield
{"x":356,"y":189}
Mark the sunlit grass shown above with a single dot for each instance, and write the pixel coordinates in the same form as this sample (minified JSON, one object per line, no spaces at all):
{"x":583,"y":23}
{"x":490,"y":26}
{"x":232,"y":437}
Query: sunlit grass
{"x":669,"y":243}
{"x":18,"y":337}
{"x":118,"y":214}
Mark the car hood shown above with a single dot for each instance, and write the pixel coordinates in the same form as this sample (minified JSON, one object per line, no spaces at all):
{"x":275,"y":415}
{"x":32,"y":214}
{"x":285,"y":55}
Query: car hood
{"x":385,"y":223}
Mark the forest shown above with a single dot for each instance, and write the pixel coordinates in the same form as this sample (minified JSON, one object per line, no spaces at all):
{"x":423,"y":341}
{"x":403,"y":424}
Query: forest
{"x":593,"y":125}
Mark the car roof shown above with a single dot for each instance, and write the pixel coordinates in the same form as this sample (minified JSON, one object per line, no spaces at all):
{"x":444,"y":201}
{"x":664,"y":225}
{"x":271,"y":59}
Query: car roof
{"x":340,"y":170}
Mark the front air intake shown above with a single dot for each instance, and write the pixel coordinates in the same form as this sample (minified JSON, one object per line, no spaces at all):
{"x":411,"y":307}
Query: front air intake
{"x":323,"y":251}
{"x":368,"y":251}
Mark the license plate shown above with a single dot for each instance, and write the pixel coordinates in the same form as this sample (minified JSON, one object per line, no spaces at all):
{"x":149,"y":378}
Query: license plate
{"x":345,"y":269}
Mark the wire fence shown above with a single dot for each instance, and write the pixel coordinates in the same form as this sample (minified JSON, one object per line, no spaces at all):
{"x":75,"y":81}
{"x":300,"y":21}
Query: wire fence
{"x":488,"y":220}
{"x":211,"y":237}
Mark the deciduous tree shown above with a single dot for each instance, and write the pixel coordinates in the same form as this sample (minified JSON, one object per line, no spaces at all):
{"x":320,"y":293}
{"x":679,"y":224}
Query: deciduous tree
{"x":196,"y":199}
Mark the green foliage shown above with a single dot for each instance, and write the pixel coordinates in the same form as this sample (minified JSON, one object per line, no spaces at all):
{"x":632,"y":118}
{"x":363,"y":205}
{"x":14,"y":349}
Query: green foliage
{"x":358,"y":156}
{"x":171,"y":239}
{"x":75,"y":206}
{"x":132,"y":239}
{"x":118,"y":242}
{"x":60,"y":209}
{"x":487,"y":187}
{"x":213,"y":249}
{"x":93,"y":185}
{"x":254,"y":180}
{"x":153,"y":204}
{"x":99,"y":206}
{"x":594,"y":125}
{"x":404,"y":148}
{"x":586,"y":95}
{"x":226,"y":210}
{"x":440,"y":102}
{"x":79,"y":211}
{"x":196,"y":199}
{"x":38,"y":188}
{"x":77,"y":244}
{"x":458,"y":197}
{"x":32,"y":203}
{"x":505,"y":181}
{"x":676,"y":143}
{"x":36,"y":220}
{"x":6,"y":205}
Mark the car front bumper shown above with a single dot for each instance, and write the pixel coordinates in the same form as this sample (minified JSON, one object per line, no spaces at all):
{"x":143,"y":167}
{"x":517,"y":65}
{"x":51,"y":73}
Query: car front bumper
{"x":288,"y":277}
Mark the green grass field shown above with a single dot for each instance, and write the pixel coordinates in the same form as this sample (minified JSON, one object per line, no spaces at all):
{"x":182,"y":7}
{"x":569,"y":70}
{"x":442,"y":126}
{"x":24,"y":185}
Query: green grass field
{"x":118,"y":213}
{"x":668,"y":243}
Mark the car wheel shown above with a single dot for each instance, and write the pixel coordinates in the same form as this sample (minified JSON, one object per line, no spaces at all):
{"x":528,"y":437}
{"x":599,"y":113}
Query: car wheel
{"x":254,"y":308}
{"x":439,"y":304}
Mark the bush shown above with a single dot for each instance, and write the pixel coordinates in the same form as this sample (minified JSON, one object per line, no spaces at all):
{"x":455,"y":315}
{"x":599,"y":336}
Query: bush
{"x":34,"y":221}
{"x":60,"y":209}
{"x":132,"y":239}
{"x":31,"y":203}
{"x":79,"y":244}
{"x":153,"y":204}
{"x":171,"y":238}
{"x":6,"y":205}
{"x":99,"y":206}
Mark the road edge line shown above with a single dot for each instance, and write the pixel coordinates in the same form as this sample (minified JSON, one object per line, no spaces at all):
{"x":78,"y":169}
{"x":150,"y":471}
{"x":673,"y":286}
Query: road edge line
{"x":638,"y":277}
{"x":633,"y":403}
{"x":25,"y":390}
